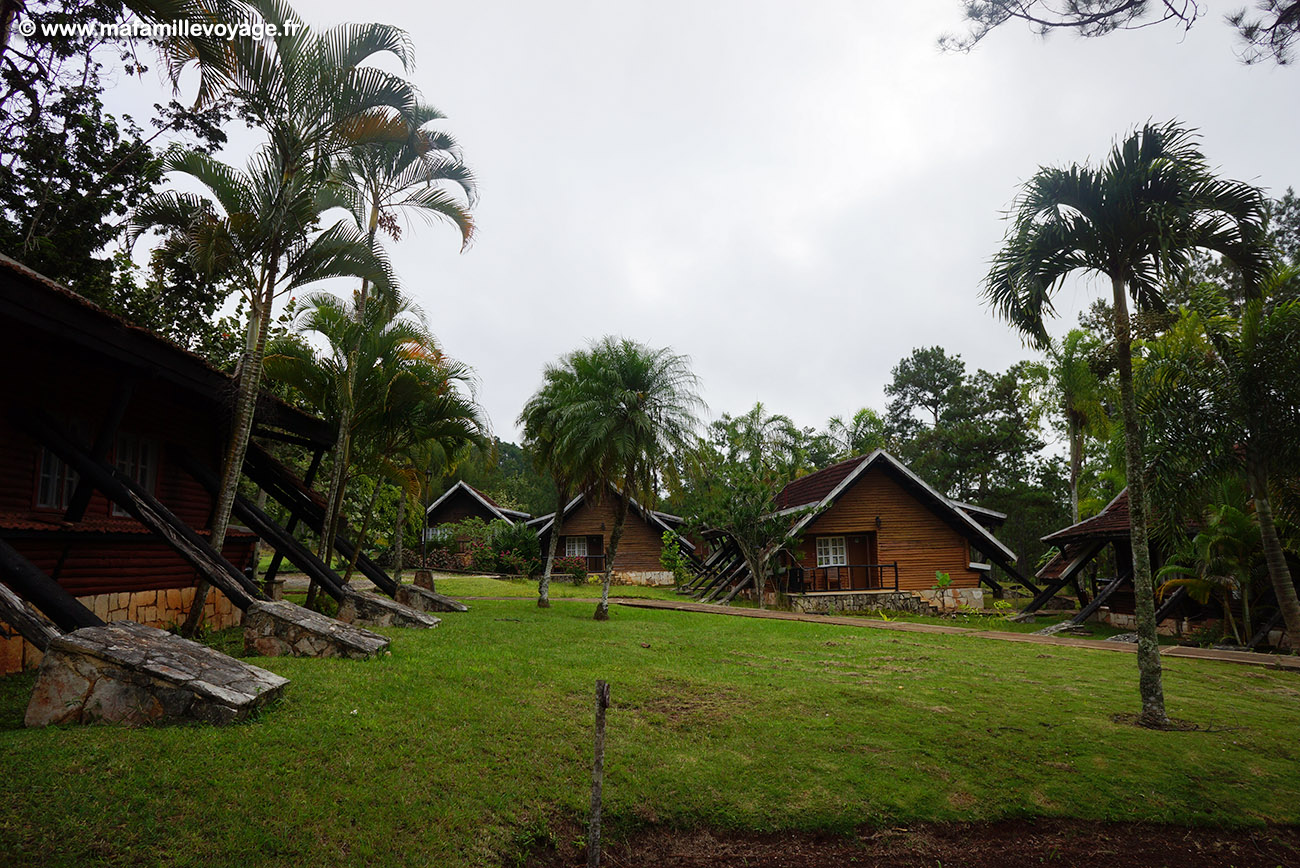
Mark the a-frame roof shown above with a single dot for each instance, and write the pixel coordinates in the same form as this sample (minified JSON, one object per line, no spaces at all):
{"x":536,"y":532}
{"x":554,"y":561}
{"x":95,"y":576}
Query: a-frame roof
{"x":817,"y":492}
{"x":508,"y":515}
{"x":1113,"y":522}
{"x":663,"y":520}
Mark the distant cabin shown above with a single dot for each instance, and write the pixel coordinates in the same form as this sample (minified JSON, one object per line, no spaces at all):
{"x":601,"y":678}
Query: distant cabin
{"x":463,"y":501}
{"x":870,"y":525}
{"x":585,"y":531}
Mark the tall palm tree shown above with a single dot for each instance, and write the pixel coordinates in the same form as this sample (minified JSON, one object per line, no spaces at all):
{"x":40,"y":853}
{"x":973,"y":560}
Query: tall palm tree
{"x":315,"y":95}
{"x":635,"y":406}
{"x":862,"y":434}
{"x":1224,"y":401}
{"x":1138,"y":219}
{"x":421,"y":175}
{"x":396,"y":391}
{"x":1082,"y":399}
{"x":259,"y":228}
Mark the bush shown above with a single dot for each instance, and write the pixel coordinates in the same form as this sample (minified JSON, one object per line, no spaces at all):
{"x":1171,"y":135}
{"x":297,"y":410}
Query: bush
{"x":495,"y":547}
{"x":672,"y":559}
{"x":574,"y":568}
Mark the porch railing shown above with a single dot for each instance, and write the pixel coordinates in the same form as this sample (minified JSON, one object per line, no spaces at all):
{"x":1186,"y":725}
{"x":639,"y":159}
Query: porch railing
{"x":848,"y":577}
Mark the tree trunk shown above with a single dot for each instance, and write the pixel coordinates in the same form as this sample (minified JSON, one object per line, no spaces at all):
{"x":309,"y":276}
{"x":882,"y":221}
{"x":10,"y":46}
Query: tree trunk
{"x":620,"y":515}
{"x":361,"y":535}
{"x":757,"y":569}
{"x":257,"y":546}
{"x":544,"y":586}
{"x":1279,"y":573}
{"x":250,"y":377}
{"x":1076,"y":470}
{"x":1150,"y":684}
{"x":397,"y":541}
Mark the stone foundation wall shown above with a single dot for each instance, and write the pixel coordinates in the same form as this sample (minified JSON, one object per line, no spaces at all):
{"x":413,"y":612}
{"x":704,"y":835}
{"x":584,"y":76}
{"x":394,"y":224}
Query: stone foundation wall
{"x":641,"y":577}
{"x":954,"y":599}
{"x":831,"y":604}
{"x":161,"y":609}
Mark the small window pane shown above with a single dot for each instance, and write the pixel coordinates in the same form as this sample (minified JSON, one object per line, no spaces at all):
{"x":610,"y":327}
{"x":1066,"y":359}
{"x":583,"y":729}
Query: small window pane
{"x":575,"y":546}
{"x":831,"y":551}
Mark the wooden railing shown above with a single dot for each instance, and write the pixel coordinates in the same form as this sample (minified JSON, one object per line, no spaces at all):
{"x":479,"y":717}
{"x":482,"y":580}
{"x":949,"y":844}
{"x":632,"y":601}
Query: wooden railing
{"x":849,"y":577}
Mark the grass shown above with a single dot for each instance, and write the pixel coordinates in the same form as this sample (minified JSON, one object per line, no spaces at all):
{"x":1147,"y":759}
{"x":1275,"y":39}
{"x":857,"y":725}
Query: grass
{"x":485,"y":586}
{"x":472,"y":742}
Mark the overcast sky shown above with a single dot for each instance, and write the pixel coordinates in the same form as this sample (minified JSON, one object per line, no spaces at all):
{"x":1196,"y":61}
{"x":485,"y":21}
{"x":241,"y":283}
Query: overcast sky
{"x":793,"y":194}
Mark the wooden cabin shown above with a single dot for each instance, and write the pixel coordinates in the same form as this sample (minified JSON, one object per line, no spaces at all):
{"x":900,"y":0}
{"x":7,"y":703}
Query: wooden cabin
{"x":870,"y":526}
{"x":463,"y":501}
{"x":125,"y":396}
{"x":585,"y":530}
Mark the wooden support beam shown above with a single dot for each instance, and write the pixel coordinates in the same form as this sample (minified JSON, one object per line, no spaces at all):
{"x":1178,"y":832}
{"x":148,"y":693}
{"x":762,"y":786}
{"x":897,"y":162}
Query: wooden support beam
{"x":144,"y":508}
{"x":1111,"y":587}
{"x":745,"y":580}
{"x":44,"y":593}
{"x":25,"y":621}
{"x":265,"y":527}
{"x":103,"y":445}
{"x":274,"y":566}
{"x":1167,"y":607}
{"x":1262,"y":634}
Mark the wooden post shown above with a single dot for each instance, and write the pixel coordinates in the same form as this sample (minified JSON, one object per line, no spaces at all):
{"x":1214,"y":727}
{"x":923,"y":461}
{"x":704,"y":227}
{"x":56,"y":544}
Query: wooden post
{"x":597,"y":775}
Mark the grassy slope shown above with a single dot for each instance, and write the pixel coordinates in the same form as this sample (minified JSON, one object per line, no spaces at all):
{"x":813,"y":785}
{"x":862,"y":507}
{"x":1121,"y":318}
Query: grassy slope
{"x":471,"y":740}
{"x":483,"y":586}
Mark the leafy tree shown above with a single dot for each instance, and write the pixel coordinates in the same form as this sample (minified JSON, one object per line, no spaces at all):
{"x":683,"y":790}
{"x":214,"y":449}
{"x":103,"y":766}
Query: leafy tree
{"x":1082,"y":400}
{"x":1137,"y":219}
{"x":861,"y":435}
{"x":1224,"y":401}
{"x":924,"y":381}
{"x":1219,"y":560}
{"x":1269,"y":32}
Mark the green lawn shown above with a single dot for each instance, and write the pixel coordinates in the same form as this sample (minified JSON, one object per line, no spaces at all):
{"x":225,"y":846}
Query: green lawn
{"x":484,"y":586}
{"x":472,"y":741}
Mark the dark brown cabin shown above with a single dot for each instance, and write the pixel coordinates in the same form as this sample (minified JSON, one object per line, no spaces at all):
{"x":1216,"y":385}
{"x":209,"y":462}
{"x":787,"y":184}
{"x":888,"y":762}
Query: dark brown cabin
{"x":869,"y":524}
{"x":463,"y":501}
{"x":585,"y":531}
{"x":127,"y":395}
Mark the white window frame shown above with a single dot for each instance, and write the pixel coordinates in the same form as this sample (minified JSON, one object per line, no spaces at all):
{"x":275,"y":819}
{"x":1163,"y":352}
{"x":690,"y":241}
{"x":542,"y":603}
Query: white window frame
{"x":137,"y":459}
{"x":832,"y":552}
{"x":56,"y":483}
{"x":572,"y":544}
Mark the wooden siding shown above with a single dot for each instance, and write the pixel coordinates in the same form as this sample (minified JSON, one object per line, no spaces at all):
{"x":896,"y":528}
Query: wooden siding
{"x":70,"y":385}
{"x":638,"y":549}
{"x":910,"y":533}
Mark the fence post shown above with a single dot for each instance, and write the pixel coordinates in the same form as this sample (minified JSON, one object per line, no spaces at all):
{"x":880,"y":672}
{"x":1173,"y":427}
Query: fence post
{"x":597,"y":775}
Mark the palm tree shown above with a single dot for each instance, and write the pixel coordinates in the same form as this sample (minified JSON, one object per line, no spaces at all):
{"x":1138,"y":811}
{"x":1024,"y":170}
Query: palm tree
{"x":862,"y":434}
{"x":423,"y":175}
{"x":548,"y":439}
{"x":1224,"y":554}
{"x":1223,"y":398}
{"x":634,"y":407}
{"x":1082,"y":399}
{"x":1138,"y":219}
{"x":257,"y":226}
{"x":315,"y":97}
{"x":398,"y":391}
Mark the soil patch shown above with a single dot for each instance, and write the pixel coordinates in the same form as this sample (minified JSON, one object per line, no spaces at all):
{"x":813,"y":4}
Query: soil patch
{"x":1003,"y":844}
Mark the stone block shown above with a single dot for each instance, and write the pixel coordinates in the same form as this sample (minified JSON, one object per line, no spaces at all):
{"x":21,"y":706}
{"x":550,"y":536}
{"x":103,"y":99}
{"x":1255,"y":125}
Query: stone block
{"x":424,"y":579}
{"x":11,"y":655}
{"x":425,"y":600}
{"x":131,"y":674}
{"x":281,"y":629}
{"x":372,"y":610}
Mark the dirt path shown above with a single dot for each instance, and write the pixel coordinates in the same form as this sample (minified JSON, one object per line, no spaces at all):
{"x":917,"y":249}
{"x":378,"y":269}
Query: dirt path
{"x":1269,"y":661}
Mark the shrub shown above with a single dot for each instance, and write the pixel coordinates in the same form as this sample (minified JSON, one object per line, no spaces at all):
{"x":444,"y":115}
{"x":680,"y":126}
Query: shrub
{"x":672,"y":559}
{"x":574,"y":568}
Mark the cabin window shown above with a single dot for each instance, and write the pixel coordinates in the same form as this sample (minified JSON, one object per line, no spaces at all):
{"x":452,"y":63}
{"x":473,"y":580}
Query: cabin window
{"x":831,"y":551}
{"x":137,"y":459}
{"x":575,"y":546}
{"x":57,"y":482}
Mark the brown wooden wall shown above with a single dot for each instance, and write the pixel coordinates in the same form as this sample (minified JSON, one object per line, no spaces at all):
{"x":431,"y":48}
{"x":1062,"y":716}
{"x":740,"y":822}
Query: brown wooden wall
{"x":910,"y":533}
{"x":639,"y":548}
{"x":68,"y":386}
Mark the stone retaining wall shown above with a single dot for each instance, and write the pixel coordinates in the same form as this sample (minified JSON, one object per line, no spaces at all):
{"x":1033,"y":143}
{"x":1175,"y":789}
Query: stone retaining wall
{"x":831,"y":604}
{"x":152,"y":608}
{"x":641,"y":577}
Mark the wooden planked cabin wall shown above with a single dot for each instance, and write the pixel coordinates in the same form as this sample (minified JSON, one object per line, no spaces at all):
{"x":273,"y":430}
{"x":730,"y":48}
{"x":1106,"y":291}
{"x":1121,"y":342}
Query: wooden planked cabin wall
{"x":640,"y":546}
{"x":909,"y":533}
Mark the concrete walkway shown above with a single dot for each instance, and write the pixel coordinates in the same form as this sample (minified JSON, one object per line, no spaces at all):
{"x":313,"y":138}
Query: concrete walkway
{"x":1248,"y":658}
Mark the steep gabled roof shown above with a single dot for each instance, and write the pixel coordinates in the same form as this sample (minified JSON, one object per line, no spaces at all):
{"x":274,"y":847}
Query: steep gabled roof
{"x":507,"y":515}
{"x":33,"y":301}
{"x":827,"y":485}
{"x":654,"y":517}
